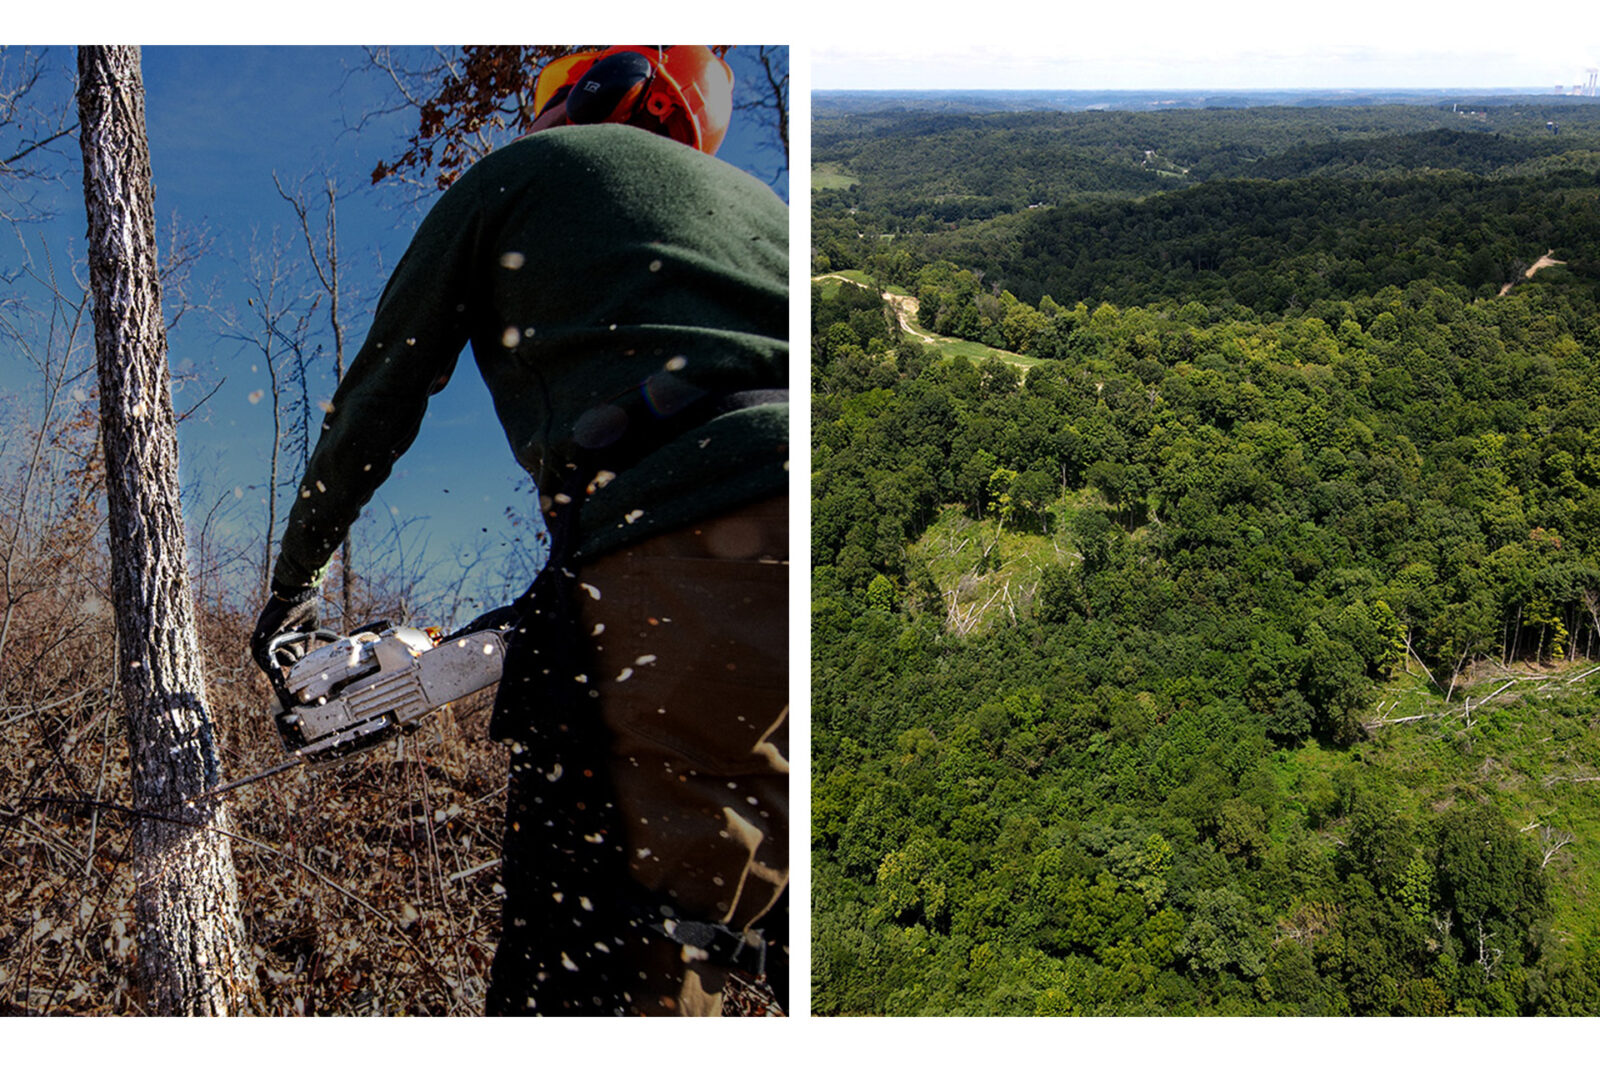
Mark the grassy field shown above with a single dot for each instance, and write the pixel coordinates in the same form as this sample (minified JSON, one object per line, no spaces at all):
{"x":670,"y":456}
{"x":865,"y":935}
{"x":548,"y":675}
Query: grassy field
{"x":950,"y":348}
{"x":987,"y":573}
{"x":831,"y":176}
{"x":830,"y":282}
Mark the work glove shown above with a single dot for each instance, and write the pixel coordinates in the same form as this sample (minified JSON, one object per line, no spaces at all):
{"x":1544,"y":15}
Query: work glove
{"x":288,"y":611}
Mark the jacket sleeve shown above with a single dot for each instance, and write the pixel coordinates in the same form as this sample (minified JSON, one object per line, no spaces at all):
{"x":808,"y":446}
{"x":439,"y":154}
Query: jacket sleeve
{"x":418,"y":331}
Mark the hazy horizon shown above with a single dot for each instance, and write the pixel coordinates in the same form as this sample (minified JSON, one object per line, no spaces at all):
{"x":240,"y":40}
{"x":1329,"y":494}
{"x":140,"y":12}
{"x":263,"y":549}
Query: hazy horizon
{"x":1517,"y":90}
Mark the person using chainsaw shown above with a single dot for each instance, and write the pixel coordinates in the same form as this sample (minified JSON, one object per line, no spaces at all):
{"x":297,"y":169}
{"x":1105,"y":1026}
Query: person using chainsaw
{"x":625,"y":296}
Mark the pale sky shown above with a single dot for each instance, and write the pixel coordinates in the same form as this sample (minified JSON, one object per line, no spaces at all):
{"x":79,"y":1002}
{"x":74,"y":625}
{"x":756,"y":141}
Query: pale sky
{"x":1225,"y":44}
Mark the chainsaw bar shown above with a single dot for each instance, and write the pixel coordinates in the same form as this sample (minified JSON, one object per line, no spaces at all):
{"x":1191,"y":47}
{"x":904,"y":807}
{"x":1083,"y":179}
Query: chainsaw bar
{"x":227,"y":787}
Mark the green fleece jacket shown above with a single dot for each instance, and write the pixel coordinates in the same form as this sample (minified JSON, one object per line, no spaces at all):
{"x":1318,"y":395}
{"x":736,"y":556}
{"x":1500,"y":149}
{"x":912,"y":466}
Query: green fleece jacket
{"x":605,"y":277}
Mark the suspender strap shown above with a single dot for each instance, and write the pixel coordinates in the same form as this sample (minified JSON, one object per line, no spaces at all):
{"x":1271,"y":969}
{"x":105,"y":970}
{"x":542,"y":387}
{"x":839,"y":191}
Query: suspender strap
{"x":720,"y":945}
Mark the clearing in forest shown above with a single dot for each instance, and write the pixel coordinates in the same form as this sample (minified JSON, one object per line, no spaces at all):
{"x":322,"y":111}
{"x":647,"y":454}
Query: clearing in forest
{"x":986,"y":571}
{"x":831,"y":176}
{"x":1517,"y":737}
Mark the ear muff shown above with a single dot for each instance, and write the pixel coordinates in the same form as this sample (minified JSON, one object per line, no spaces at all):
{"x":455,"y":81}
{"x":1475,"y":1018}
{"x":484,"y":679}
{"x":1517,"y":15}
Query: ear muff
{"x":611,"y":89}
{"x":559,"y":74}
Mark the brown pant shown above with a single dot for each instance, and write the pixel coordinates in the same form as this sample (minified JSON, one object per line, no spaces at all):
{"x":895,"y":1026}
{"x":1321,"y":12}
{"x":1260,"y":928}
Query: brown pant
{"x":649,"y":774}
{"x":690,"y":633}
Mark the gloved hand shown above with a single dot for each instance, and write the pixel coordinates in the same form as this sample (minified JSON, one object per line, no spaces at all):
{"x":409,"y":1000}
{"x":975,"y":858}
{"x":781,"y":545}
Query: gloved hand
{"x":288,"y":611}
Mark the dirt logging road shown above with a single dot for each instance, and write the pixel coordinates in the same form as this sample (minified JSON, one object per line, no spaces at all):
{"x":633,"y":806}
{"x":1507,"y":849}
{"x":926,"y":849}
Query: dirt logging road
{"x":905,"y":307}
{"x":1542,"y":262}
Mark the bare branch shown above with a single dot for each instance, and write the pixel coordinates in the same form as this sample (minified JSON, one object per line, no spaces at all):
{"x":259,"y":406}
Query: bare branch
{"x":1552,"y":841}
{"x":32,"y":125}
{"x":182,"y":248}
{"x":275,"y":323}
{"x":769,"y":108}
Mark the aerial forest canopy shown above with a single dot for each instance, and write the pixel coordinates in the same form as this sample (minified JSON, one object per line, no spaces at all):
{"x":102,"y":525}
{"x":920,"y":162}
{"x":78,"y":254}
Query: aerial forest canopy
{"x":1206,"y":546}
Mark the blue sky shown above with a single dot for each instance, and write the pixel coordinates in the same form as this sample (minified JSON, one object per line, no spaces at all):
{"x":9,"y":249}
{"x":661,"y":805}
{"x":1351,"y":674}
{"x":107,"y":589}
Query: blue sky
{"x":221,"y":122}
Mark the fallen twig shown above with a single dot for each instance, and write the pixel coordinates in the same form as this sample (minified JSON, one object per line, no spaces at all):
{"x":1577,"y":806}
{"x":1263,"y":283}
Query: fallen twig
{"x":382,"y":917}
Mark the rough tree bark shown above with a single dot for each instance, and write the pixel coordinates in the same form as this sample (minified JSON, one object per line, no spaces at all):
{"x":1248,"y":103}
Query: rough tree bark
{"x":192,"y":956}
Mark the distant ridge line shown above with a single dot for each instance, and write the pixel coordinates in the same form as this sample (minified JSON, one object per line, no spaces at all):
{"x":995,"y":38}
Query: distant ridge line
{"x":960,"y":100}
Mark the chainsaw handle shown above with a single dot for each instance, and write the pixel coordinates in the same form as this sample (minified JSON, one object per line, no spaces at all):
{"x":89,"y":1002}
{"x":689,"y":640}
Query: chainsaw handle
{"x":280,"y":644}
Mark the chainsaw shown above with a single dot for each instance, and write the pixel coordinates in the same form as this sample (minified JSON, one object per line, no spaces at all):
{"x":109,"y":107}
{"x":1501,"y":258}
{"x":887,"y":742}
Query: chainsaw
{"x":349,"y":693}
{"x":346,"y":694}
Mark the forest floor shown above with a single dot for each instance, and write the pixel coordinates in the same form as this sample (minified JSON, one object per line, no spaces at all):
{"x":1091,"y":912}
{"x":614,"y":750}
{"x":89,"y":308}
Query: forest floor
{"x":368,"y":886}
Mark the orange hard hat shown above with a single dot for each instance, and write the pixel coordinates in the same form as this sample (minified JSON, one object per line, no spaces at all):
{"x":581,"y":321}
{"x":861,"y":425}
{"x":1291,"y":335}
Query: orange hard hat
{"x":684,"y":92}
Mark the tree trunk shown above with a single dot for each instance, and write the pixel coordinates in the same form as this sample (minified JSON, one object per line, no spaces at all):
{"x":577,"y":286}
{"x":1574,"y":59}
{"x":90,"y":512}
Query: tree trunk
{"x":331,"y":283}
{"x":272,"y":465}
{"x":191,"y":943}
